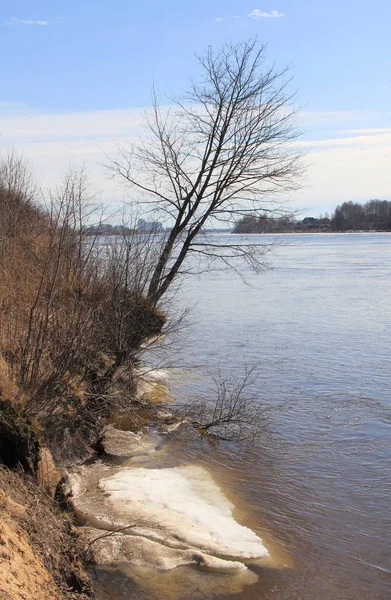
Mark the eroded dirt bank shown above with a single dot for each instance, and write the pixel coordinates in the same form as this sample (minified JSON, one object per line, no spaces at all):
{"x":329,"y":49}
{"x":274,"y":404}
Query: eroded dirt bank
{"x":40,"y":556}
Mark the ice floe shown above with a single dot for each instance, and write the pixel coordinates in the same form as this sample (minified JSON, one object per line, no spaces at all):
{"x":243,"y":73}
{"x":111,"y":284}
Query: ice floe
{"x":151,"y":385}
{"x":126,"y":443}
{"x":166,"y":517}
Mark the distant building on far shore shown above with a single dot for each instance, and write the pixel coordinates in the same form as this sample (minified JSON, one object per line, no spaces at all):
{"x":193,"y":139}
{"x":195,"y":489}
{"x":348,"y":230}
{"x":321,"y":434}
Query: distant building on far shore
{"x":149,"y":226}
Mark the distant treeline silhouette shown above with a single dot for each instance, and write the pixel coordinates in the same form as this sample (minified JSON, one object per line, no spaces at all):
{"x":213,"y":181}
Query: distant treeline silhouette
{"x":348,"y":216}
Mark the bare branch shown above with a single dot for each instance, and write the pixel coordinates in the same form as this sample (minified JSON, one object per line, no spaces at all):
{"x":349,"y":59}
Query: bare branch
{"x":235,"y":413}
{"x":223,"y":150}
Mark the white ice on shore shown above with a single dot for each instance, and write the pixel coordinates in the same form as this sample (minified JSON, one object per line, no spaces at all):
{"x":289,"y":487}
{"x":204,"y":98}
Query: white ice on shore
{"x":182,"y":508}
{"x":151,"y":382}
{"x":141,"y":551}
{"x":125,"y":443}
{"x":160,"y":518}
{"x":154,"y":374}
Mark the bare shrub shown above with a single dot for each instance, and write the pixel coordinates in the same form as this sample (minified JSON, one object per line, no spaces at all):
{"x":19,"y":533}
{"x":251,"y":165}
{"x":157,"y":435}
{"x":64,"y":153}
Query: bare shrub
{"x":73,"y":312}
{"x":235,"y":413}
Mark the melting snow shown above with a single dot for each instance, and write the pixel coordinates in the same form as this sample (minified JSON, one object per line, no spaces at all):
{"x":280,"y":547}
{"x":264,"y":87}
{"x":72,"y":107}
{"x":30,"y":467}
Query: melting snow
{"x":183,"y":508}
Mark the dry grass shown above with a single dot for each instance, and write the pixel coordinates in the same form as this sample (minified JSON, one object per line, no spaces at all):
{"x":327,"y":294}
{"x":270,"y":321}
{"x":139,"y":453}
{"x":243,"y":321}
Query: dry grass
{"x":8,"y":388}
{"x":73,"y":313}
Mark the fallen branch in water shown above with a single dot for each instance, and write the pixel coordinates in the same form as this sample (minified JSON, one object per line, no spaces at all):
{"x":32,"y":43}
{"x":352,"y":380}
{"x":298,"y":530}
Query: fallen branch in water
{"x":236,"y":414}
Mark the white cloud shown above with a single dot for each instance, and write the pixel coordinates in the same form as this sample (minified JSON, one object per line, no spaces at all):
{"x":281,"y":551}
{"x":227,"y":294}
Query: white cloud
{"x":338,"y":117}
{"x":50,"y":142}
{"x":365,"y":138}
{"x":257,"y":14}
{"x":368,"y":130}
{"x":350,"y":171}
{"x":29,"y":22}
{"x":20,"y":123}
{"x":14,"y":21}
{"x":348,"y":157}
{"x":218,"y":19}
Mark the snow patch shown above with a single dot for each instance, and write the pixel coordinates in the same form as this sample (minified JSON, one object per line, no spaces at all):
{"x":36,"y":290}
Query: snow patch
{"x":183,"y":508}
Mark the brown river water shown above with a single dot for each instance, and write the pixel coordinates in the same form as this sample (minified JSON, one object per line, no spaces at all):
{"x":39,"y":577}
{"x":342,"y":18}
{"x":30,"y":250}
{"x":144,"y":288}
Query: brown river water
{"x":317,"y":486}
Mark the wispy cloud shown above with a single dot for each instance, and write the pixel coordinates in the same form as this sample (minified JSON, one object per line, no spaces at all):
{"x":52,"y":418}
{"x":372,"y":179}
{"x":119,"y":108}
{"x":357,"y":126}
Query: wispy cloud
{"x":257,"y":14}
{"x":219,"y":19}
{"x":349,"y":153}
{"x":14,"y":21}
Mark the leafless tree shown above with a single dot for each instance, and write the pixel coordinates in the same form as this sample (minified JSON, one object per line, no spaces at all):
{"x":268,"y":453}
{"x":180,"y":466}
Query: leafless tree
{"x":73,"y":308}
{"x":66,"y":297}
{"x":222,"y":151}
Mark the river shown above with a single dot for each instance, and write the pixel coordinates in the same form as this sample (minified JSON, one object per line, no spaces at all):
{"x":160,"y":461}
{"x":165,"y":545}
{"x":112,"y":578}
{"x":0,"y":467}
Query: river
{"x":316,"y":487}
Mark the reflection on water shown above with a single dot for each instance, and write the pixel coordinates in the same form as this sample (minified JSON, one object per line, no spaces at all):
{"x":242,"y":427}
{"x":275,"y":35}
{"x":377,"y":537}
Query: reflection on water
{"x":317,"y":486}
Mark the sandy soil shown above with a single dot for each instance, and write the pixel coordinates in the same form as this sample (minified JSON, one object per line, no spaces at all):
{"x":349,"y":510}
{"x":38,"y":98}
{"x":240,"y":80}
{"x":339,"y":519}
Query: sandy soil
{"x":40,"y":557}
{"x":22,"y":574}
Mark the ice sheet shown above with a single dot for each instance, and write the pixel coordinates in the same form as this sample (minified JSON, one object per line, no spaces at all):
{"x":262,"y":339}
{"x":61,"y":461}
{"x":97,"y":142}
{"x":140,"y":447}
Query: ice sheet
{"x":184,"y":508}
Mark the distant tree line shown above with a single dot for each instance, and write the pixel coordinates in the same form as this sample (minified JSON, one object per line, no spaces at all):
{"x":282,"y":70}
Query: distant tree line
{"x":349,"y":216}
{"x":141,"y":227}
{"x":284,"y":224}
{"x":375,"y":214}
{"x":107,"y":229}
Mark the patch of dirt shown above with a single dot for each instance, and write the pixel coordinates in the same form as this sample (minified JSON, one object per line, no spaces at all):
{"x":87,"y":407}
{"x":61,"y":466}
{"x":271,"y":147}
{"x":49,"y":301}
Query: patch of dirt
{"x":40,"y":555}
{"x":22,"y":574}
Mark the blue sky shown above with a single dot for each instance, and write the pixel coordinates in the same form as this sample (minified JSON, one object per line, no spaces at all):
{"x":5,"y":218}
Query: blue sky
{"x":75,"y":74}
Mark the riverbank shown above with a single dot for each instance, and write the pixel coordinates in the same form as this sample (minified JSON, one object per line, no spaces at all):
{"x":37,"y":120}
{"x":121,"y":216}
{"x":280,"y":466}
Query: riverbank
{"x":41,"y":555}
{"x":129,"y":505}
{"x":73,"y":317}
{"x":137,"y":508}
